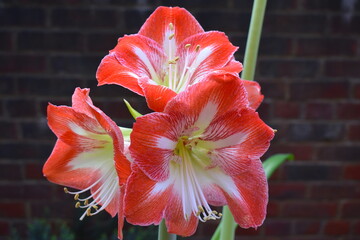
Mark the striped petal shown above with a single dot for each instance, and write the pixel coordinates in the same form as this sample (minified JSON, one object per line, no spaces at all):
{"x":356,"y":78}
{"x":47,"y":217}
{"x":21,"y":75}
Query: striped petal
{"x":168,"y":21}
{"x":88,"y":156}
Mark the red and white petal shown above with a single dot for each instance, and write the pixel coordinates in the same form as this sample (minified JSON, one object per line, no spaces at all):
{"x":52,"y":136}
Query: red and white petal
{"x":153,"y":140}
{"x":233,"y":66}
{"x":142,"y":55}
{"x":76,"y":129}
{"x":254,"y":95}
{"x":58,"y":169}
{"x":183,"y":24}
{"x":248,"y":203}
{"x":236,"y":139}
{"x":111,"y":71}
{"x":208,"y":99}
{"x":174,"y":218}
{"x":145,"y":200}
{"x":157,"y":96}
{"x":121,"y":214}
{"x":203,"y":53}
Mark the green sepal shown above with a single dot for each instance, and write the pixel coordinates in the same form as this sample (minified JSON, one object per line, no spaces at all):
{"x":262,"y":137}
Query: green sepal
{"x":132,"y":111}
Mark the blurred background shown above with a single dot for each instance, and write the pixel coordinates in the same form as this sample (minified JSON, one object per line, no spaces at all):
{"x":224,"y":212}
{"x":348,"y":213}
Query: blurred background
{"x":308,"y":67}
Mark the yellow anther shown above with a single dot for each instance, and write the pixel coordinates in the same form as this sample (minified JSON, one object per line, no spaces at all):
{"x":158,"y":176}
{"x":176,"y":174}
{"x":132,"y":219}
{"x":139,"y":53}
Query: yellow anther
{"x":187,"y":45}
{"x":77,"y":205}
{"x":76,"y":197}
{"x":197,"y":48}
{"x":214,"y":212}
{"x":171,"y":26}
{"x":95,"y":207}
{"x":220,"y":214}
{"x":174,"y":60}
{"x":88,"y":212}
{"x":201,"y":209}
{"x":86,"y":202}
{"x":206,"y":218}
{"x":274,"y":130}
{"x":66,"y":190}
{"x":171,"y":36}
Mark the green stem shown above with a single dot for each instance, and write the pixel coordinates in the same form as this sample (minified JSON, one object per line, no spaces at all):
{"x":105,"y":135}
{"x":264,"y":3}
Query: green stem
{"x":253,"y":40}
{"x":163,"y":234}
{"x":227,"y":226}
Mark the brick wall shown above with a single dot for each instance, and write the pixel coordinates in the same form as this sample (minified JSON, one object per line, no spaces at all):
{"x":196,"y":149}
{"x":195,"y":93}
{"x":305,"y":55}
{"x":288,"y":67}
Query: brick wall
{"x":309,"y":68}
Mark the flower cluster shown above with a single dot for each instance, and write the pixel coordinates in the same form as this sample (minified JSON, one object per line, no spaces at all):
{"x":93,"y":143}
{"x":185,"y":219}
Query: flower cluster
{"x":201,"y":146}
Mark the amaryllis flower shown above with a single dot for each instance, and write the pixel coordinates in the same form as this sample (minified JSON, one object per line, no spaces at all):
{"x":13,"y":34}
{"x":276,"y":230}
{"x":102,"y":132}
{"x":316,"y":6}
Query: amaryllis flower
{"x":170,"y":53}
{"x":88,"y":156}
{"x":203,"y":150}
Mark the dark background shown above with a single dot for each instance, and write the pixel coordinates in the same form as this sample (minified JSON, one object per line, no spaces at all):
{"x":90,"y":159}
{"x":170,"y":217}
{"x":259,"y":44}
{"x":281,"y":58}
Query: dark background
{"x":309,"y":69}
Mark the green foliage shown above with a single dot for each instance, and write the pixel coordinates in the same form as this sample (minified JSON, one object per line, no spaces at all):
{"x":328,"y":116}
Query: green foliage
{"x":41,"y":230}
{"x":274,"y":162}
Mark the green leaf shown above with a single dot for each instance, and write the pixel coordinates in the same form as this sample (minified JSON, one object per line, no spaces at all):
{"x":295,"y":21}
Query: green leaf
{"x":132,"y":111}
{"x":273,"y":162}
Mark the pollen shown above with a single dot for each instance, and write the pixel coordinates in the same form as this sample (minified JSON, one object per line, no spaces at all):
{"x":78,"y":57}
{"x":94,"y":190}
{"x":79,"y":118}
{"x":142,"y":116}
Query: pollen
{"x":197,"y":48}
{"x":187,"y":45}
{"x":171,"y":26}
{"x":174,"y":60}
{"x":171,"y":36}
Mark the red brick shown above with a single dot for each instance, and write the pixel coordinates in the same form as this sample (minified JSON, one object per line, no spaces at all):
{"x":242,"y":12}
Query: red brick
{"x":326,"y":47}
{"x":247,"y":232}
{"x":264,"y":111}
{"x":33,"y":171}
{"x":43,"y":41}
{"x":107,"y":40}
{"x":38,"y":191}
{"x":12,"y":191}
{"x":339,"y":153}
{"x":286,"y":110}
{"x":357,"y":91}
{"x":22,"y":16}
{"x":334,"y":191}
{"x":342,"y":26}
{"x":319,"y":90}
{"x":6,"y":43}
{"x":277,"y":227}
{"x":273,"y":208}
{"x":333,"y":5}
{"x":319,"y":111}
{"x":4,"y":228}
{"x":312,"y":171}
{"x":294,"y":23}
{"x":63,"y":209}
{"x":21,"y":108}
{"x":8,"y":130}
{"x":356,"y":228}
{"x":309,"y":210}
{"x":307,"y":227}
{"x":348,"y":111}
{"x":84,"y":18}
{"x":353,"y":132}
{"x":22,"y":64}
{"x":288,"y":68}
{"x":10,"y":172}
{"x":352,"y":171}
{"x":342,"y":68}
{"x":12,"y":210}
{"x":337,"y":227}
{"x":301,"y":151}
{"x":287,"y":190}
{"x":351,"y":209}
